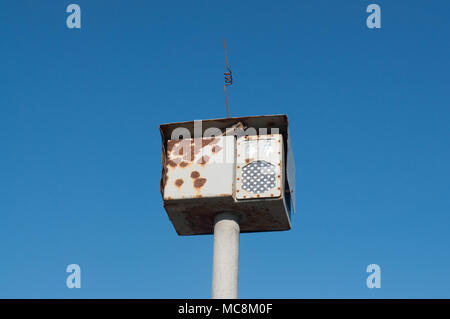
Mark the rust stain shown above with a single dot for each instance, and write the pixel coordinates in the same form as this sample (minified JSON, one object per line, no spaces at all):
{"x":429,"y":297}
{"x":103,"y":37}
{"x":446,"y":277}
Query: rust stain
{"x":216,"y":148}
{"x":203,"y":160}
{"x":206,"y":141}
{"x":199,"y":182}
{"x":248,"y":160}
{"x":184,"y":164}
{"x":173,"y":163}
{"x":171,"y":144}
{"x":179,"y":182}
{"x":176,"y":146}
{"x":195,"y":174}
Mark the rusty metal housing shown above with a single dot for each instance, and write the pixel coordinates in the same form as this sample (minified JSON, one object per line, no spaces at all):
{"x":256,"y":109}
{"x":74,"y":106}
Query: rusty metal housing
{"x":207,"y":171}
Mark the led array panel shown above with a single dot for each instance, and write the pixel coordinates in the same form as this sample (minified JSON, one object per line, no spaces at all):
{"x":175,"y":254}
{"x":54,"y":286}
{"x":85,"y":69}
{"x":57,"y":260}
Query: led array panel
{"x":258,"y":177}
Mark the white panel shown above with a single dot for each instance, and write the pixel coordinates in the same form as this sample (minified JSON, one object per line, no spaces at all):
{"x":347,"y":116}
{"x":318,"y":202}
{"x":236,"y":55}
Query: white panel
{"x":208,"y":173}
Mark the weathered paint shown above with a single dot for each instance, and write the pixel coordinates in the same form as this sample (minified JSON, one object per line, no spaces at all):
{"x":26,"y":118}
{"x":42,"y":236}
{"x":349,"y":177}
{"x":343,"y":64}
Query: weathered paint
{"x":205,"y":172}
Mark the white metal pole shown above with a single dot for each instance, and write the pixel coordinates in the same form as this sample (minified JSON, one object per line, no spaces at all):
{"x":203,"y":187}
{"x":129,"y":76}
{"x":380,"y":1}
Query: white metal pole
{"x":226,"y":257}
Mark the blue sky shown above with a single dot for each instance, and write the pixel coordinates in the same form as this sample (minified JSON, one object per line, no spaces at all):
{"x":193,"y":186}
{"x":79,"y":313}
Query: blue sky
{"x":81,"y":159}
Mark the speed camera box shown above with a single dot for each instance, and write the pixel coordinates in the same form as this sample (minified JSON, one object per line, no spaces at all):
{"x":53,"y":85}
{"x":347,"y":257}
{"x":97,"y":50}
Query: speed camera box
{"x":240,"y":165}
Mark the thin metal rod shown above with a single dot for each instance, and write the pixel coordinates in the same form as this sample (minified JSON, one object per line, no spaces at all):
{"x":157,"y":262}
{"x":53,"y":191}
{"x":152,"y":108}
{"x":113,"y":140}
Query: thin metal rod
{"x":225,"y":49}
{"x":226,"y":257}
{"x":228,"y":78}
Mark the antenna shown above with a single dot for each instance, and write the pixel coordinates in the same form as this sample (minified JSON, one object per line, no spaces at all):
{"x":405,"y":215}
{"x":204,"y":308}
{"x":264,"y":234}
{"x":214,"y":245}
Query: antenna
{"x":228,"y":78}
